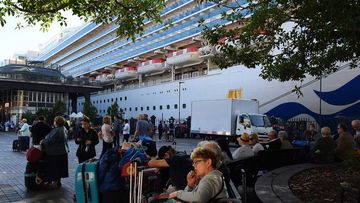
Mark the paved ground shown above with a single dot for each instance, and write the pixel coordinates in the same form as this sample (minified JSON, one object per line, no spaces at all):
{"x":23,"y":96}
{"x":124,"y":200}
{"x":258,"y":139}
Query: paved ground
{"x":12,"y":167}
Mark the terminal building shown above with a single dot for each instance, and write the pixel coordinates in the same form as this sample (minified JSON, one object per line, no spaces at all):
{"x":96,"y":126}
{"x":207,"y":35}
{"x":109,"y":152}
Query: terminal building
{"x":29,"y":87}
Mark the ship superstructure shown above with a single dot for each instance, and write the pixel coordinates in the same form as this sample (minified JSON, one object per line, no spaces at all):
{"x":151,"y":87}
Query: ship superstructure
{"x":169,"y":66}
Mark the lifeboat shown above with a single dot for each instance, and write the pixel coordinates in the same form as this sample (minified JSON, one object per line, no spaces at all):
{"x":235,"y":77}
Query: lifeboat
{"x":151,"y":66}
{"x":184,"y":57}
{"x":125,"y":73}
{"x":102,"y":78}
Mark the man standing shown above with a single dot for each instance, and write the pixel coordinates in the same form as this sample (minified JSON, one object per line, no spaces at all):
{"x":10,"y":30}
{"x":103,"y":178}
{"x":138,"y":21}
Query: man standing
{"x":116,"y":129}
{"x":160,"y":129}
{"x":39,"y":130}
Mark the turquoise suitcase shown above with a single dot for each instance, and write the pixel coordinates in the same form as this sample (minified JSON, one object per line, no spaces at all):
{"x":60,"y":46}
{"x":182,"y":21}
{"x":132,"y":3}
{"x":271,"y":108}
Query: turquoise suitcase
{"x":86,"y":182}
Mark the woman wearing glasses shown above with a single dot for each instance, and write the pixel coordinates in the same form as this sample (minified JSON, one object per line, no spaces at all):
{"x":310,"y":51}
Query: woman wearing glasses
{"x":211,"y":186}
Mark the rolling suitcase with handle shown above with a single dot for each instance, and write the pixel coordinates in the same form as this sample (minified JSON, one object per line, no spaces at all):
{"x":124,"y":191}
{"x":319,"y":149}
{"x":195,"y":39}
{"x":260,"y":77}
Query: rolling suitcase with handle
{"x":86,"y":182}
{"x":16,"y":145}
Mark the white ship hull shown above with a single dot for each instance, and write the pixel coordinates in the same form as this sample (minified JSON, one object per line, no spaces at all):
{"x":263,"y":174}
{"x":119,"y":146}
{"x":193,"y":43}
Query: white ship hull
{"x":275,"y":98}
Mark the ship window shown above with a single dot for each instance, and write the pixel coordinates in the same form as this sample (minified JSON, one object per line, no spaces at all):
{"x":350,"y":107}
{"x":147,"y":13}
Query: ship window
{"x":154,"y":108}
{"x":175,"y":106}
{"x":104,"y":100}
{"x":125,"y":98}
{"x":184,"y":106}
{"x":100,"y":101}
{"x":120,"y":98}
{"x":168,"y":106}
{"x":97,"y":101}
{"x":147,"y":108}
{"x":135,"y":108}
{"x":130,"y":109}
{"x":125,"y":109}
{"x":142,"y":108}
{"x":115,"y":99}
{"x":160,"y":107}
{"x":112,"y":99}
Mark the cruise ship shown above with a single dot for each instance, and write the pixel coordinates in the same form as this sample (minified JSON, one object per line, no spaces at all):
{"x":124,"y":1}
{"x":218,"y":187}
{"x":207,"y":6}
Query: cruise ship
{"x":169,"y":66}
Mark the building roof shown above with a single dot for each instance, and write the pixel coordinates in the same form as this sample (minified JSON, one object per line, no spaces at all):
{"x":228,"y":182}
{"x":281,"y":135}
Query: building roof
{"x":25,"y":69}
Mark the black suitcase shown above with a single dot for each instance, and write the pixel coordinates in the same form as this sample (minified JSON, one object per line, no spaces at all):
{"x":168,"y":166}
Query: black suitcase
{"x":16,"y":145}
{"x":24,"y":142}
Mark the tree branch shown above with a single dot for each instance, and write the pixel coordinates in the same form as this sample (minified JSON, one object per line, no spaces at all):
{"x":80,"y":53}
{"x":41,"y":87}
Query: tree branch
{"x":61,"y":6}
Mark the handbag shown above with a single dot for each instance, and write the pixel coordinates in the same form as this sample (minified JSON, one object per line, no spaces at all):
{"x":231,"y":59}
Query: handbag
{"x":34,"y":154}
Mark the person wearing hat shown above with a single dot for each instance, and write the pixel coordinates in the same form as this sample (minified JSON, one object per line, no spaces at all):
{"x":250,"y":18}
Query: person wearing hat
{"x":244,"y":151}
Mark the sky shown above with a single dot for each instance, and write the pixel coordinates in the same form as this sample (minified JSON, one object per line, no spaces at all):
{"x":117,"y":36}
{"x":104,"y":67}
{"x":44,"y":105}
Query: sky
{"x":21,"y":40}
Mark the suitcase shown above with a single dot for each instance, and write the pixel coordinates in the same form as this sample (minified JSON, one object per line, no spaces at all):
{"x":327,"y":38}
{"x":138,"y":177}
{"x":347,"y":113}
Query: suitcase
{"x":31,"y":171}
{"x":151,"y":181}
{"x":86,"y":182}
{"x":24,"y":142}
{"x":16,"y":145}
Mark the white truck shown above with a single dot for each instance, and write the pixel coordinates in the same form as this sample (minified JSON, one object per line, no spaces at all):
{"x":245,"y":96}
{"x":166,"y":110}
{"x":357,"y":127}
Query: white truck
{"x":228,"y":117}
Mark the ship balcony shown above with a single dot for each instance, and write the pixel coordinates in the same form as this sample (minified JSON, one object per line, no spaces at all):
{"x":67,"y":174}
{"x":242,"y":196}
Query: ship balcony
{"x":151,"y":66}
{"x":184,"y":57}
{"x":126,"y":73}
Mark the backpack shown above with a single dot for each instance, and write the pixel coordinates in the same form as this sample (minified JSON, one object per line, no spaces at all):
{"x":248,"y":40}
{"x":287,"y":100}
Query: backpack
{"x":131,"y":155}
{"x":109,"y":176}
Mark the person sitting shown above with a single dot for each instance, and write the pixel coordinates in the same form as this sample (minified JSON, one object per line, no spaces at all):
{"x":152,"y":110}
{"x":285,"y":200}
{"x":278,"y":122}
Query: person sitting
{"x":256,"y":146}
{"x":324,"y":148}
{"x":221,"y":166}
{"x":285,"y":144}
{"x":245,"y":150}
{"x":179,"y":165}
{"x":311,"y":134}
{"x":226,"y":155}
{"x":355,"y":124}
{"x":211,"y":185}
{"x":345,"y":143}
{"x":274,"y":142}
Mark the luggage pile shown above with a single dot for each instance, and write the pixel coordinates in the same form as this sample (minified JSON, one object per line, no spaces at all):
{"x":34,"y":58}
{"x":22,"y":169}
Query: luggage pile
{"x":119,"y":176}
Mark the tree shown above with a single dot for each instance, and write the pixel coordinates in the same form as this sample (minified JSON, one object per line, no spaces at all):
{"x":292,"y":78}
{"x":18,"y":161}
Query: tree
{"x":129,"y":15}
{"x":288,"y":39}
{"x":90,"y":110}
{"x":59,"y":108}
{"x":113,"y":109}
{"x":49,"y":115}
{"x":30,"y":117}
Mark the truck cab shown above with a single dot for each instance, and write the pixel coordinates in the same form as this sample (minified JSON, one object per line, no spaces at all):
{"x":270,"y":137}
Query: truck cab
{"x":253,"y":123}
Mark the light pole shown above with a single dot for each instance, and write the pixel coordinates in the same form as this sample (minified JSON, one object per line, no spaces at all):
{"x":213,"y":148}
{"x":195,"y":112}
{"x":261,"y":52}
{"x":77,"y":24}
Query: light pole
{"x":179,"y":101}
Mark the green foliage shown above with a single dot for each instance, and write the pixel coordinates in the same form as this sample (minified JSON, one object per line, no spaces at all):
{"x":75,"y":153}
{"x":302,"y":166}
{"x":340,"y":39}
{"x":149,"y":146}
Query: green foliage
{"x":289,"y":39}
{"x":59,"y":108}
{"x":90,"y":110}
{"x":130,"y":15}
{"x":113,"y":110}
{"x":30,"y":117}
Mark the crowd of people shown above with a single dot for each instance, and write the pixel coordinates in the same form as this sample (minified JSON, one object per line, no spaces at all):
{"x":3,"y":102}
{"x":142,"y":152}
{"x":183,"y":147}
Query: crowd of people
{"x":203,"y":176}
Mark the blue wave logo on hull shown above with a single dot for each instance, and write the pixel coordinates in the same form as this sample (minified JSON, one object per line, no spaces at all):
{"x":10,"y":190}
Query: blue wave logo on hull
{"x":346,"y":94}
{"x":289,"y":110}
